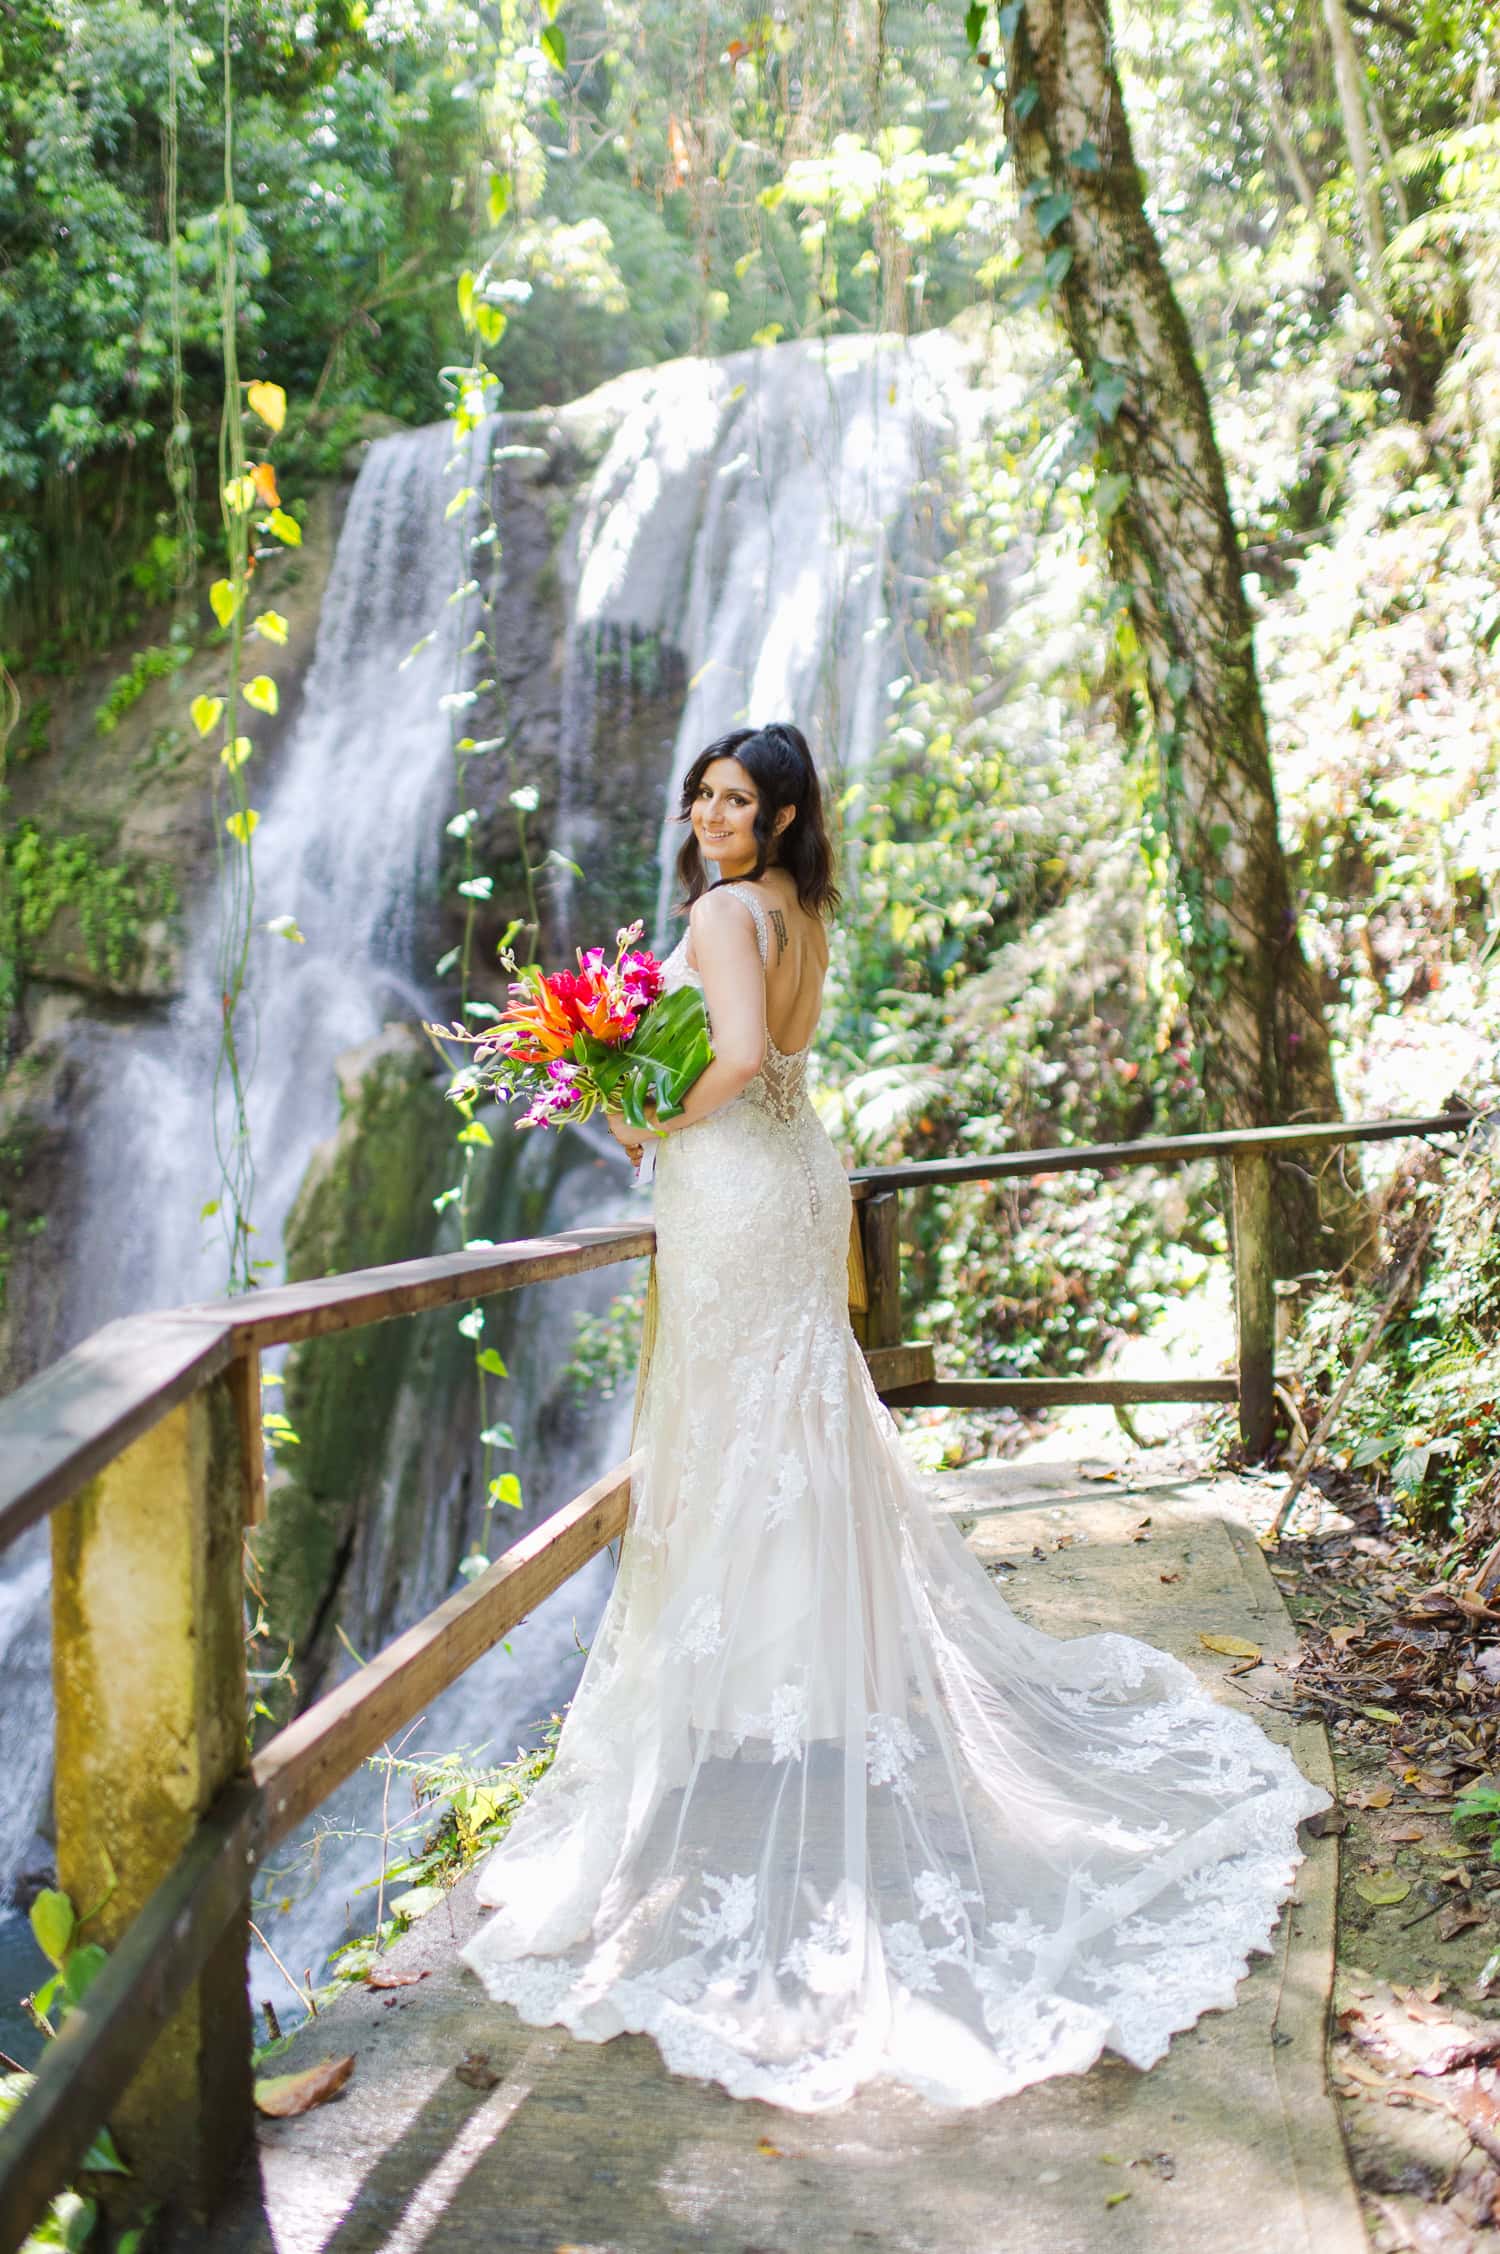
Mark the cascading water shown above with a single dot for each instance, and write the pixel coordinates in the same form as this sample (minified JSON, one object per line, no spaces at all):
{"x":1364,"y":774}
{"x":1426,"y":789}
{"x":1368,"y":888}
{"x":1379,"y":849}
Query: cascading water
{"x":754,"y":514}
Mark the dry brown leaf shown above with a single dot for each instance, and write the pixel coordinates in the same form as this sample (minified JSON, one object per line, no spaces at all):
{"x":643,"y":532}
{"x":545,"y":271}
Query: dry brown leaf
{"x":1344,"y":1634}
{"x":282,"y":2095}
{"x":1408,"y":1836}
{"x":770,"y":2151}
{"x":475,"y":2070}
{"x":1369,"y":1796}
{"x":381,"y":1979}
{"x":1233,"y":1647}
{"x":1457,"y":1919}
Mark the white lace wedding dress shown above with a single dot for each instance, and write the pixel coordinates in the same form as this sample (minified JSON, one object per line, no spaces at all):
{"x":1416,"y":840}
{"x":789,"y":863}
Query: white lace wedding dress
{"x":824,"y":1810}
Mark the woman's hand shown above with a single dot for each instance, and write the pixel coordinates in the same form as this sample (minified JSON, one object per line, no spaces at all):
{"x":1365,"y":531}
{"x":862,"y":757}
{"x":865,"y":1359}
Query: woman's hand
{"x":630,"y":1138}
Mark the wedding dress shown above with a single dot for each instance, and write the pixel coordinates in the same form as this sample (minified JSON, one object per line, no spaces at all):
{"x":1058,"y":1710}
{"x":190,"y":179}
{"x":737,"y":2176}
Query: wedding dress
{"x":824,"y":1810}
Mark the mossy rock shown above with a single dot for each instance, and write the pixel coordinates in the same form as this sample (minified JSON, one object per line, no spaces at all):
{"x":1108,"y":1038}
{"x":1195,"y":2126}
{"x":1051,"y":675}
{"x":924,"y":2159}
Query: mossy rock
{"x":365,"y":1200}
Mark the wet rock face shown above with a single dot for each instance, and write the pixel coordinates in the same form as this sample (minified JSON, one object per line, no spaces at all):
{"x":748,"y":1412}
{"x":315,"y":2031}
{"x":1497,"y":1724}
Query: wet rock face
{"x":365,"y":1200}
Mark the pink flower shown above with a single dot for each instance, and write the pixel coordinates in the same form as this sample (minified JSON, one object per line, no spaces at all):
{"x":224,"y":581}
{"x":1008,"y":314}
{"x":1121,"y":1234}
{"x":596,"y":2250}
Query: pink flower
{"x":640,"y":980}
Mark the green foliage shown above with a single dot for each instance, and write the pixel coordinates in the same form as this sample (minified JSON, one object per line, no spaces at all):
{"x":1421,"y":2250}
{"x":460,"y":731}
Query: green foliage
{"x":146,"y":666}
{"x":1477,"y":1818}
{"x":606,"y":1348}
{"x":114,"y":901}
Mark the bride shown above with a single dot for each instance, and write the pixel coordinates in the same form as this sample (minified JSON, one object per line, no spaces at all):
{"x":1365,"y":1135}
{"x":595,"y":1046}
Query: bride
{"x":824,"y":1810}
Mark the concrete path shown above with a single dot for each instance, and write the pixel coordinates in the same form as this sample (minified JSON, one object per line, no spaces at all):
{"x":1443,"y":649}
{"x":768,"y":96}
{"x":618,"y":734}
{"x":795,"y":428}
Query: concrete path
{"x":1231,"y":2141}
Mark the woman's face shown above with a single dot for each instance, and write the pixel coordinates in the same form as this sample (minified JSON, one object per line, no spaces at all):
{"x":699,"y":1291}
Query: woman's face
{"x":723,"y":817}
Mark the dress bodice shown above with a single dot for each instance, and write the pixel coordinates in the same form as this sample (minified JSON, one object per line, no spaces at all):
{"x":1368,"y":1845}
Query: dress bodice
{"x":780,"y":1086}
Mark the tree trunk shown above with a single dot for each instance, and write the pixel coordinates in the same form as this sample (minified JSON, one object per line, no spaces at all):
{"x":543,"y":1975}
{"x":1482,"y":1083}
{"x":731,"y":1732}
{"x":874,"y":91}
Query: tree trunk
{"x":1349,"y":77}
{"x":1173,"y":549}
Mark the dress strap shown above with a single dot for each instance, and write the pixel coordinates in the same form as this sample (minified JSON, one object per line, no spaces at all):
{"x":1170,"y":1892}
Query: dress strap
{"x":762,"y":928}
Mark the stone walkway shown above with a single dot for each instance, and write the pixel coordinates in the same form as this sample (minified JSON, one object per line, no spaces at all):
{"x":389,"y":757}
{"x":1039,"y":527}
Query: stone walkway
{"x":1231,"y":2141}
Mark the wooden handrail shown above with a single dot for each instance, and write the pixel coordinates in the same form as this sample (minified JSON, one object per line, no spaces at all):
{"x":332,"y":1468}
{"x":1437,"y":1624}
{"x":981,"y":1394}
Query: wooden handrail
{"x":1154,"y":1150}
{"x":63,"y":1425}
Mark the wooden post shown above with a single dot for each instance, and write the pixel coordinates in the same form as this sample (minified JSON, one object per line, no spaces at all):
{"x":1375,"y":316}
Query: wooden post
{"x":1254,"y":1299}
{"x":148,"y":1665}
{"x":880,"y":1229}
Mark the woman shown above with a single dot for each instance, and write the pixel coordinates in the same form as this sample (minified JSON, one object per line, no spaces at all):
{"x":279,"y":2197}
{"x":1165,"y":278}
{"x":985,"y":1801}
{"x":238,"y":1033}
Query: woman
{"x":823,"y":1809}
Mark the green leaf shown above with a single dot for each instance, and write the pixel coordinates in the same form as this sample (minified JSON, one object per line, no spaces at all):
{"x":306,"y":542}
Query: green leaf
{"x":974,"y":21}
{"x":103,"y":2159}
{"x":507,"y":1489}
{"x":1085,"y":158}
{"x":285,"y":528}
{"x":1108,"y":393}
{"x":286,"y":927}
{"x":1109,"y":491}
{"x":555,"y":47}
{"x":461,"y":824}
{"x":272,"y":625}
{"x":1026,"y":100}
{"x":445,"y":1198}
{"x":1052,"y":211}
{"x":490,"y":1362}
{"x":489,"y":321}
{"x":1057,"y":265}
{"x":460,"y":500}
{"x":497,"y":1436}
{"x":262,"y":694}
{"x":476,"y":1132}
{"x":477,"y":888}
{"x":499,"y":196}
{"x":472,"y":1324}
{"x":52,"y":1922}
{"x":445,"y":963}
{"x":82,"y":1970}
{"x":466,"y":297}
{"x":204,"y":713}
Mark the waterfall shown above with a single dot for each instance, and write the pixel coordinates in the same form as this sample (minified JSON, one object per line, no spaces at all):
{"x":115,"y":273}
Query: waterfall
{"x":753,"y":518}
{"x":759,"y":514}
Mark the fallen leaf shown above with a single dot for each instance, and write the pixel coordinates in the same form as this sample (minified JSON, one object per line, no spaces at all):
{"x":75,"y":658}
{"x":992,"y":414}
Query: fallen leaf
{"x":1408,"y":1836}
{"x":1380,"y":1713}
{"x":1382,"y":1891}
{"x":380,"y":1979}
{"x":1457,"y":1919}
{"x":1430,"y":1785}
{"x":1345,"y":1633}
{"x":475,"y":2070}
{"x":1233,"y":1647}
{"x":282,"y":2095}
{"x":1169,"y":1576}
{"x":765,"y":2146}
{"x":1369,"y":1796}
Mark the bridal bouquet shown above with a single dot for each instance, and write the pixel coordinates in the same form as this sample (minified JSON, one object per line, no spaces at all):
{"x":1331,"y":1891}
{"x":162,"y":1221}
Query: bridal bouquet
{"x":603,"y":1037}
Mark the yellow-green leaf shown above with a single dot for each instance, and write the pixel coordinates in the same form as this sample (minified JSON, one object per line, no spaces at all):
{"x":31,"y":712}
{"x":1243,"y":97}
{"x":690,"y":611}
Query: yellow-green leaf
{"x":1233,"y":1647}
{"x":205,"y":713}
{"x":267,"y":400}
{"x":262,"y":693}
{"x":272,"y":625}
{"x":466,"y":297}
{"x":1380,"y":1713}
{"x":281,"y":2095}
{"x":489,"y":321}
{"x":476,"y":1132}
{"x":499,"y":196}
{"x":241,"y":826}
{"x":285,"y":528}
{"x":460,"y":500}
{"x":52,"y":1922}
{"x":235,"y":754}
{"x":240,"y":495}
{"x":1384,"y":1890}
{"x":224,"y":599}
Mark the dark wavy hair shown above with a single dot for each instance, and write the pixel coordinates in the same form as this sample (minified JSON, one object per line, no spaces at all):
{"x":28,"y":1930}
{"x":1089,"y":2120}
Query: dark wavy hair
{"x":779,"y":764}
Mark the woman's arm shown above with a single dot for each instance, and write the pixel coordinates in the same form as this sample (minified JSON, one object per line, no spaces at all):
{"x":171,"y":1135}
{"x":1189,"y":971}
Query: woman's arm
{"x":734,"y":995}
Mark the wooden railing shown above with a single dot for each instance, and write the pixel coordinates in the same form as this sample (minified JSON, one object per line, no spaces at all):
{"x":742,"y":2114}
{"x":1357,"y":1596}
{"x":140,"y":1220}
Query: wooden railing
{"x":144,"y":1446}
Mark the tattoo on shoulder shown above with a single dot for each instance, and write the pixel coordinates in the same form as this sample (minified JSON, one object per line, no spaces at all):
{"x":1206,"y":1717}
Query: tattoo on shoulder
{"x":778,"y":925}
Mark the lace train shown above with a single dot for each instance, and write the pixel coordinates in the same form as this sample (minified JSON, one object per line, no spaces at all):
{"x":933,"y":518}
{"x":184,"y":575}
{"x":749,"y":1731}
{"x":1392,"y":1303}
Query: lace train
{"x":824,"y":1809}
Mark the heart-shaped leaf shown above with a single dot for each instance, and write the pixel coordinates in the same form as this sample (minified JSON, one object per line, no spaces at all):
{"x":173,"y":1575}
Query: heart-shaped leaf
{"x":204,"y":712}
{"x":282,"y":2095}
{"x":267,"y":400}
